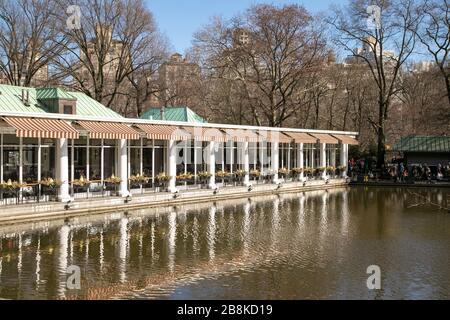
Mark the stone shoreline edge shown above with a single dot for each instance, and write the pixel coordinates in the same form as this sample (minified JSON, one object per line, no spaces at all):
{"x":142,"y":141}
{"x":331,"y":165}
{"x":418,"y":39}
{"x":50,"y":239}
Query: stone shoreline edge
{"x":75,"y":213}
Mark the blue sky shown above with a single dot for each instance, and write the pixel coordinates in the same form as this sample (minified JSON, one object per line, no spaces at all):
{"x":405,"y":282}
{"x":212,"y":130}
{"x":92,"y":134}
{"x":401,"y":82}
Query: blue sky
{"x":179,"y":19}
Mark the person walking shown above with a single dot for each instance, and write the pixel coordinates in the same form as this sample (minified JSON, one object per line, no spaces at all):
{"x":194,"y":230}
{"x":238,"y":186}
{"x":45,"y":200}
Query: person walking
{"x":440,"y":172}
{"x":401,"y":171}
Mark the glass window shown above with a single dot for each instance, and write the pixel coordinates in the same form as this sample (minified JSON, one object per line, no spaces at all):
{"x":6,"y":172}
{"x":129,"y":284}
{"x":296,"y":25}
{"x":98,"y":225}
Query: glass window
{"x":109,"y":162}
{"x":95,"y":142}
{"x":79,"y":162}
{"x":94,"y":164}
{"x":82,"y":141}
{"x":135,"y":161}
{"x":30,"y":164}
{"x":9,"y":139}
{"x":48,"y":162}
{"x":30,"y":141}
{"x":159,"y":160}
{"x":147,"y":161}
{"x":68,"y":109}
{"x":11,"y":163}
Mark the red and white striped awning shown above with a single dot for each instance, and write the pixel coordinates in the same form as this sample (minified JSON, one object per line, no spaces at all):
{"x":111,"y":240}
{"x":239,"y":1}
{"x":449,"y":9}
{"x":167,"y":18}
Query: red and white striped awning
{"x":241,"y":135}
{"x":346,"y":139}
{"x":301,"y":137}
{"x":206,"y":134}
{"x":325,"y":138}
{"x":164,"y":132}
{"x":42,"y":128}
{"x":275,"y":136}
{"x":109,"y":130}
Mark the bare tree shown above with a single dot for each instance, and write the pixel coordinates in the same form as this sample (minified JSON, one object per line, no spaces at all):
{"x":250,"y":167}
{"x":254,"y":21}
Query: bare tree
{"x":29,"y":41}
{"x":117,"y":38}
{"x":396,"y":30}
{"x":421,"y":104}
{"x":434,"y":34}
{"x":268,"y":52}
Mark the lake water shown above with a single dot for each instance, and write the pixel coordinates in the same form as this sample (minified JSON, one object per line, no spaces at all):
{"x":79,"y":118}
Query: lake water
{"x":313,"y":245}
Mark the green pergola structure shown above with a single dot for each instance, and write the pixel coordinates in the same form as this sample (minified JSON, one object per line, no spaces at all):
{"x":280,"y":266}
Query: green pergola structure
{"x":435,"y":144}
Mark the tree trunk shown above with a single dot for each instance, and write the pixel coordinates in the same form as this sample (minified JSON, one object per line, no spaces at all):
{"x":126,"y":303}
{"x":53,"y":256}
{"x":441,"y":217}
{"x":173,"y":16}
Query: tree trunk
{"x":381,"y":148}
{"x":447,"y":84}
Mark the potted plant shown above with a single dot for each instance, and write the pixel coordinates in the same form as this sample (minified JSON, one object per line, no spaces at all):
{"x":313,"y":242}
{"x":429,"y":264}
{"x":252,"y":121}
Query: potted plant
{"x":240,"y":175}
{"x":112,"y":184}
{"x":269,"y":175}
{"x":255,"y":174}
{"x":138,"y":180}
{"x":10,"y":188}
{"x":184,"y":177}
{"x":341,"y":169}
{"x":320,"y":171}
{"x":308,"y":171}
{"x":283,"y":172}
{"x":297,"y":172}
{"x":162,"y":179}
{"x":223,"y":175}
{"x":331,"y":170}
{"x":81,"y":184}
{"x":204,"y":177}
{"x":50,"y":188}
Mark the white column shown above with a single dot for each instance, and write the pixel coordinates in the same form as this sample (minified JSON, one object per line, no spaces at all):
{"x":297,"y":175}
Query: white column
{"x":87,"y":160}
{"x":72,"y":162}
{"x":231,"y":156}
{"x":195,"y":161}
{"x":185,"y":156}
{"x":1,"y":157}
{"x":129,"y":159}
{"x":223,"y":156}
{"x":141,"y":157}
{"x":333,"y":156}
{"x":246,"y":164}
{"x":153,"y":162}
{"x":172,"y":165}
{"x":261,"y":155}
{"x":344,"y":159}
{"x":102,"y":160}
{"x":212,"y":164}
{"x":312,"y":160}
{"x":300,"y":159}
{"x":39,"y":175}
{"x":289,"y":157}
{"x":123,"y":168}
{"x":63,"y":166}
{"x":255,"y":155}
{"x":323,"y":158}
{"x":275,"y":160}
{"x":20,"y":160}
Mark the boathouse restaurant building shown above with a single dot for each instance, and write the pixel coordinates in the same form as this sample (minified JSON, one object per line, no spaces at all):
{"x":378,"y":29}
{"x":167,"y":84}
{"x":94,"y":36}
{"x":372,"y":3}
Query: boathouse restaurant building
{"x":51,"y":139}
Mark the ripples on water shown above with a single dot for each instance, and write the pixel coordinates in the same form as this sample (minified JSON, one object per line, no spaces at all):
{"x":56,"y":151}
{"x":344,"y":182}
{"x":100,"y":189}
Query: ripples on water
{"x":293,"y":246}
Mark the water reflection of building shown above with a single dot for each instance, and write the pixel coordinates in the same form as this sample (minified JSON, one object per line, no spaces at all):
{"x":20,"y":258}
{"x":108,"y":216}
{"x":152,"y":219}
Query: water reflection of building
{"x":172,"y":220}
{"x":123,"y":249}
{"x":211,"y":236}
{"x":246,"y":225}
{"x":64,"y":232}
{"x":248,"y":233}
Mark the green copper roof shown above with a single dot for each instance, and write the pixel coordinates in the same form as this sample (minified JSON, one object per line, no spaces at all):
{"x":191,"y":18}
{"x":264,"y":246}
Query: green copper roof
{"x":52,"y":93}
{"x":11,"y":101}
{"x":423,"y":144}
{"x":182,"y":114}
{"x":86,"y":106}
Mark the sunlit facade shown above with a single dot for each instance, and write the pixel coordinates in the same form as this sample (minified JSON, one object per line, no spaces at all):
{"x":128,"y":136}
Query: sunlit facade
{"x":53,"y":139}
